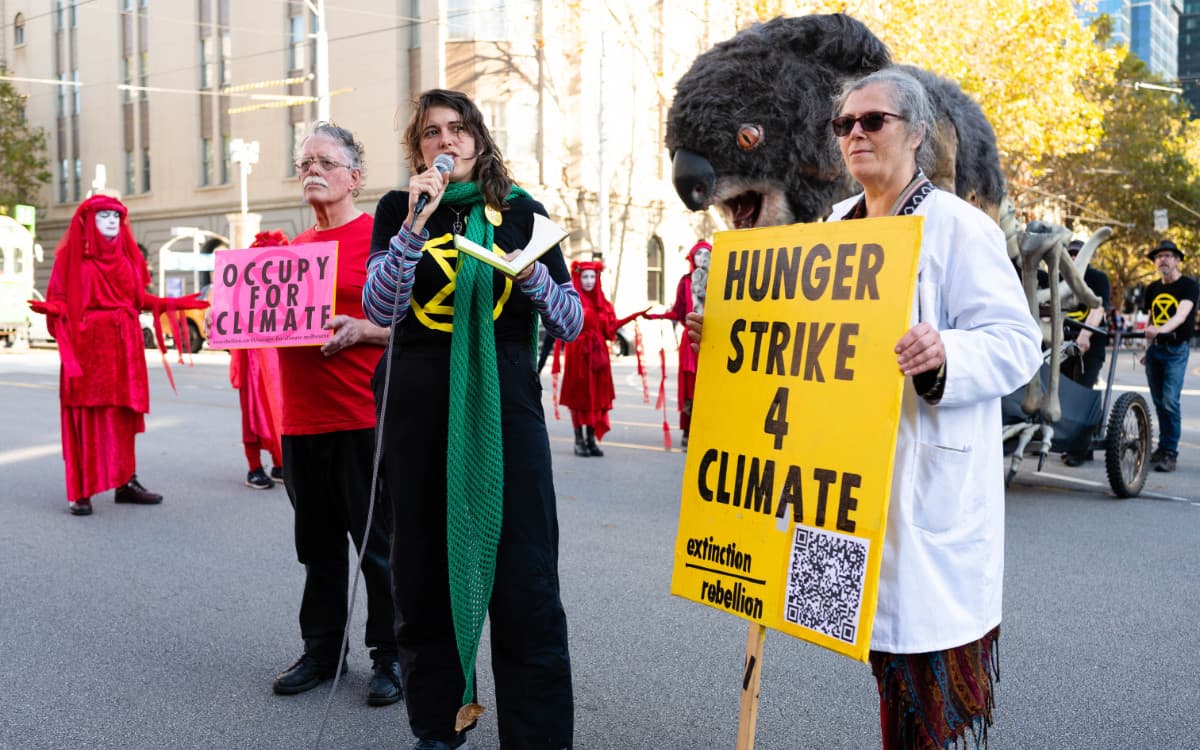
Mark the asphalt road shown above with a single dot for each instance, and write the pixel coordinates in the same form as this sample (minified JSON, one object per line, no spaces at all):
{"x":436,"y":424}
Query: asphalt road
{"x":162,"y":627}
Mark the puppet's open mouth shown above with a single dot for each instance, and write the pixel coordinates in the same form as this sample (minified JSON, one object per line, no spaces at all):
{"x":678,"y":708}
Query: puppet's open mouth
{"x":744,"y":209}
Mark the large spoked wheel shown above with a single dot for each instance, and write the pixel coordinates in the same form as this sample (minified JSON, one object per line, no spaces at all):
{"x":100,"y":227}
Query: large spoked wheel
{"x":1127,"y":445}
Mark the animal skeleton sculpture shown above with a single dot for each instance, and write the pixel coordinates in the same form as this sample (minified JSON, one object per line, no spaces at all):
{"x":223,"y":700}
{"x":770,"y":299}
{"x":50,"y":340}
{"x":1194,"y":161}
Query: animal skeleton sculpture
{"x":748,"y":132}
{"x":1040,"y":243}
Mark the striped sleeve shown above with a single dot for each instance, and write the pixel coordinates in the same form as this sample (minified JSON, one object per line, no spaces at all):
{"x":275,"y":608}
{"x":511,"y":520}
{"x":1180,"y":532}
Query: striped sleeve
{"x":557,"y":304}
{"x":388,"y":289}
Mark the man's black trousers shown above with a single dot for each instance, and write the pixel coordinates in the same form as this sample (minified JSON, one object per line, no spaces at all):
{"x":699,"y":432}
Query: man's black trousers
{"x":328,"y":478}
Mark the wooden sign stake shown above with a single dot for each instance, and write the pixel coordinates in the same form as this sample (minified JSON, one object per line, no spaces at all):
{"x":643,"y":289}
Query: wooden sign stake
{"x":751,"y":678}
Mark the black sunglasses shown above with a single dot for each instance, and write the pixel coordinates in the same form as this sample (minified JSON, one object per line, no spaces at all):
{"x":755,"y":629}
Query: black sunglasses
{"x":872,"y":122}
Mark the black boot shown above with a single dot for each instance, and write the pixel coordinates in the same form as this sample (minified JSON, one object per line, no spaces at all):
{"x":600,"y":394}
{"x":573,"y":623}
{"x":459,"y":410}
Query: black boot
{"x":581,"y":446}
{"x":593,"y":449}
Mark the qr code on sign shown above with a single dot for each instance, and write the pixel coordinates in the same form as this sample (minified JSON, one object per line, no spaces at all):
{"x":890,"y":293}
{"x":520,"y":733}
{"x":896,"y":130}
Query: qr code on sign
{"x":825,"y":582}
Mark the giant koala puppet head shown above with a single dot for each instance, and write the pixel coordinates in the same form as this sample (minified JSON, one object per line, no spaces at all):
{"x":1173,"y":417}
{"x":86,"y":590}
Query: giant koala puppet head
{"x":749,"y":131}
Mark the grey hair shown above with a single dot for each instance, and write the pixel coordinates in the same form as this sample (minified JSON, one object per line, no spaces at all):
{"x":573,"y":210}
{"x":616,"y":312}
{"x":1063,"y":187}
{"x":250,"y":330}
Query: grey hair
{"x":352,"y":148}
{"x":910,"y":101}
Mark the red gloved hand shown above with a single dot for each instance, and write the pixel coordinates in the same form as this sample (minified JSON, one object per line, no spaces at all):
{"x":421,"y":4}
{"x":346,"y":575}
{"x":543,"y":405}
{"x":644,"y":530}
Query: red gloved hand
{"x":188,"y":302}
{"x":44,"y":307}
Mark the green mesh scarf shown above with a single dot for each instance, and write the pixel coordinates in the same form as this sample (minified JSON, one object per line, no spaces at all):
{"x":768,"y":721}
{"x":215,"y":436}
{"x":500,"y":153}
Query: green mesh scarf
{"x":475,"y":452}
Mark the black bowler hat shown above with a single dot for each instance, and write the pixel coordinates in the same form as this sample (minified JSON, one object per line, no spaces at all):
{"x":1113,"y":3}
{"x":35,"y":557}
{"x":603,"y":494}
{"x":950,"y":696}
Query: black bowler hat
{"x":1165,"y":245}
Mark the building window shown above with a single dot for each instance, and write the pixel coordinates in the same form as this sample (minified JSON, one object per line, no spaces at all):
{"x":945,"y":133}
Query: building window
{"x":296,"y":132}
{"x":63,"y":87}
{"x":522,"y":141}
{"x":654,"y":270}
{"x":74,"y":16}
{"x":77,"y":180}
{"x":208,"y":63}
{"x":144,"y":72}
{"x":497,"y":120}
{"x":58,"y":15}
{"x":146,"y":169}
{"x":226,"y":54}
{"x":19,"y":30}
{"x":224,"y":159}
{"x":130,"y":169}
{"x":75,"y":95}
{"x":468,"y":20}
{"x":296,"y":43}
{"x":62,"y":181}
{"x":127,"y":77}
{"x":206,"y":161}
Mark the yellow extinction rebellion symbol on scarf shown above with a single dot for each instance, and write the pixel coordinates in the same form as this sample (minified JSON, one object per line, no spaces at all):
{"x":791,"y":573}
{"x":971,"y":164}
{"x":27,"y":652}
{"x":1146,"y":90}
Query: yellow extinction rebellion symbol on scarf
{"x":1163,"y":309}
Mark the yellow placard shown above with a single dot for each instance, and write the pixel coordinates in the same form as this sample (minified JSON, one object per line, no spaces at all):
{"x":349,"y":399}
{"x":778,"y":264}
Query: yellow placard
{"x":793,"y":433}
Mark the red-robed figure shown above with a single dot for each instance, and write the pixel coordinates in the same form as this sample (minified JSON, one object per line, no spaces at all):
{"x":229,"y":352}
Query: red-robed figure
{"x":687,"y":296}
{"x":97,"y":288}
{"x":255,"y":375}
{"x":587,"y":384}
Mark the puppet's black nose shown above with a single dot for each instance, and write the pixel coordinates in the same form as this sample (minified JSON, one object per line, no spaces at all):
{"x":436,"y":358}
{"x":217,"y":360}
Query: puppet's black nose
{"x":694,"y":179}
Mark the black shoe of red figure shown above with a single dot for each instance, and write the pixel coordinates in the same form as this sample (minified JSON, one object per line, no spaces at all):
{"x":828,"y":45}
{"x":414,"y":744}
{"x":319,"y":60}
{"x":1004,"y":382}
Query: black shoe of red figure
{"x":133,"y":492}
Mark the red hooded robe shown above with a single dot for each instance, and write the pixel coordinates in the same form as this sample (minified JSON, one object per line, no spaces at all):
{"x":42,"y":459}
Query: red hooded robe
{"x":587,"y":384}
{"x":96,"y":290}
{"x":255,"y":374}
{"x":684,"y":304}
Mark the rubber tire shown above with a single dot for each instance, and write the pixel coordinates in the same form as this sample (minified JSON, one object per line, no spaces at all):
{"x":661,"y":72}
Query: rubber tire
{"x":1127,"y":445}
{"x":195,"y":340}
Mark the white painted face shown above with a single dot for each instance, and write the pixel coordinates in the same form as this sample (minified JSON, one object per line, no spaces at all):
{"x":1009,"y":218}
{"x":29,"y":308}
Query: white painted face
{"x":701,"y":257}
{"x":587,"y":280}
{"x":108,"y":223}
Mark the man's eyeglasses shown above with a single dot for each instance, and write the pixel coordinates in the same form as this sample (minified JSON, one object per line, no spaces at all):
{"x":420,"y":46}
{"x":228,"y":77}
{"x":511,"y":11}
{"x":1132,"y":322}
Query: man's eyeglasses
{"x":326,"y":165}
{"x":872,"y":122}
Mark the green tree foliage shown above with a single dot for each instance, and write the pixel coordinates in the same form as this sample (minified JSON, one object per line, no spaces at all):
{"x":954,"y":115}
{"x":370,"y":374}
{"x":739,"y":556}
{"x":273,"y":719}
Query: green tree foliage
{"x":1028,"y":63}
{"x":23,"y":165}
{"x":1148,"y":151}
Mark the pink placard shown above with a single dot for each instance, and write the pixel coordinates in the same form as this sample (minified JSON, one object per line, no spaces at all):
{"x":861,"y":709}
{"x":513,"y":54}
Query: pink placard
{"x":273,"y":296}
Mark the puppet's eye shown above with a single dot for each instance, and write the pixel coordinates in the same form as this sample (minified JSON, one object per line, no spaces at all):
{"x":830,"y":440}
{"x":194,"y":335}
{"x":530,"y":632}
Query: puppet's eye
{"x":749,"y":137}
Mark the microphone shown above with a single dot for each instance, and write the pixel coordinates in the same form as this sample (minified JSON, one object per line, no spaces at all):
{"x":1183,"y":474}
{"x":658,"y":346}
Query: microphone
{"x":444,"y":164}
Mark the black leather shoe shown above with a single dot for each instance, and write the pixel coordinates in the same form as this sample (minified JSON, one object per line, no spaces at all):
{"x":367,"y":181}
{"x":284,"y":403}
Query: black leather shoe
{"x":81,"y":507}
{"x":387,"y":686}
{"x":133,"y":492}
{"x":304,"y":675}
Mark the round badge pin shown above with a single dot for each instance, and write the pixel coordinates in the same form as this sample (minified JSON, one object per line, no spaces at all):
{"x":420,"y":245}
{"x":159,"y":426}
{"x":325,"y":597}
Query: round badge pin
{"x":493,"y":215}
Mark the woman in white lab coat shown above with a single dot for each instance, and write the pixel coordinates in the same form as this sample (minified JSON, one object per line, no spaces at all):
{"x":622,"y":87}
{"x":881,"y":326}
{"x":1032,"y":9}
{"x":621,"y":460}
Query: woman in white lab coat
{"x":971,"y":342}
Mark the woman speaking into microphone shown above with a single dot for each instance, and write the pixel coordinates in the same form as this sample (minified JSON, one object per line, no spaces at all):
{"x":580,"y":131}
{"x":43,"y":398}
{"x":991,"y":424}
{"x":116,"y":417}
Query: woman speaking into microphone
{"x":466,"y":456}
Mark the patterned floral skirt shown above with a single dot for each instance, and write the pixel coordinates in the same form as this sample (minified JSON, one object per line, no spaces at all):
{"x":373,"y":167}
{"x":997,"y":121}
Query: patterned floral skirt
{"x":940,"y":699}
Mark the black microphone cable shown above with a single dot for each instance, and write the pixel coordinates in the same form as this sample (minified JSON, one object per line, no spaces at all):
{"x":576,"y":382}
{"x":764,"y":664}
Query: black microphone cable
{"x":362,"y":550}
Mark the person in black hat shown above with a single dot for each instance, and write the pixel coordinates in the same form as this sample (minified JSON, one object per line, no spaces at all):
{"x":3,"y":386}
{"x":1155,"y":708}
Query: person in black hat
{"x":1171,"y":303}
{"x":1085,"y":367}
